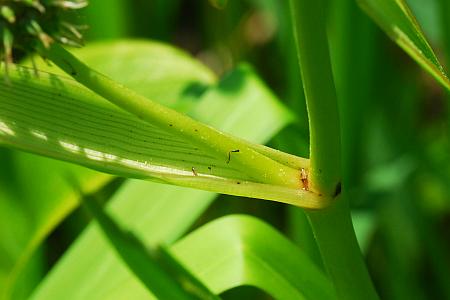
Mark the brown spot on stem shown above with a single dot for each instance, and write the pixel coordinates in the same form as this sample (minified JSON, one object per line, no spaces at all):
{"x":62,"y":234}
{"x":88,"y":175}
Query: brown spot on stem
{"x":194,"y":172}
{"x":304,"y":179}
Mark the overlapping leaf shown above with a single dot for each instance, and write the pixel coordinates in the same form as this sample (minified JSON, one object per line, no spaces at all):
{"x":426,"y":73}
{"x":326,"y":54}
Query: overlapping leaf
{"x":157,"y":269}
{"x":35,"y":200}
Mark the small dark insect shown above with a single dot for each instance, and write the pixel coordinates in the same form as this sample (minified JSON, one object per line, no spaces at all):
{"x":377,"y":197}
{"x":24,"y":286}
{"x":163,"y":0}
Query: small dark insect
{"x":194,"y":172}
{"x":304,"y":178}
{"x":229,"y":154}
{"x":209,"y":168}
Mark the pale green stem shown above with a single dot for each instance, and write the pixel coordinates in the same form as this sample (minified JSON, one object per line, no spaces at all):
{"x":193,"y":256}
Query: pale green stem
{"x":312,"y":49}
{"x":332,"y":226}
{"x":233,"y":151}
{"x":341,"y":255}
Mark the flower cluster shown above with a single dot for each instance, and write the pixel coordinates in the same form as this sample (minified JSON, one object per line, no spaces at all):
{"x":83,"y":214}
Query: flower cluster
{"x":28,"y":24}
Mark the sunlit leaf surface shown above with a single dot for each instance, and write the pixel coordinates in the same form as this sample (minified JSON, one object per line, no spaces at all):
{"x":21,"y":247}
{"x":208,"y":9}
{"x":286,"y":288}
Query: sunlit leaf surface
{"x":242,"y":250}
{"x":34,"y":196}
{"x":34,"y":201}
{"x":156,"y":268}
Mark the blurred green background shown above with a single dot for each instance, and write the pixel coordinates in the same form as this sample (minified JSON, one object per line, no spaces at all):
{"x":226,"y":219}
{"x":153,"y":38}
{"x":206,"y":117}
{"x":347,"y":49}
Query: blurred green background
{"x":395,"y":126}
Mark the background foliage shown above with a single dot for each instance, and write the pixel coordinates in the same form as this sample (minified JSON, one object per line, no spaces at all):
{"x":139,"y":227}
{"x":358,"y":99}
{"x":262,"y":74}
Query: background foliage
{"x":395,"y":129}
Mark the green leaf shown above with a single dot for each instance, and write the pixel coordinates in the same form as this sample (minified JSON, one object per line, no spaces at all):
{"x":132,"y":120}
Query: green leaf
{"x":161,"y":273}
{"x":38,"y":200}
{"x":241,"y":250}
{"x":34,"y":202}
{"x":156,"y":70}
{"x":57,"y":117}
{"x":397,"y":20}
{"x":248,"y":160}
{"x":94,"y":270}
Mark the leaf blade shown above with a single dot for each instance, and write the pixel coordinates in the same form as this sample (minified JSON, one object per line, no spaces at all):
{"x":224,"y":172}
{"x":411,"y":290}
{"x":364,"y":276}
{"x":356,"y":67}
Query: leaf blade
{"x":92,"y":267}
{"x":233,"y":251}
{"x":162,"y":274}
{"x":41,"y":212}
{"x":397,"y":20}
{"x":65,"y":121}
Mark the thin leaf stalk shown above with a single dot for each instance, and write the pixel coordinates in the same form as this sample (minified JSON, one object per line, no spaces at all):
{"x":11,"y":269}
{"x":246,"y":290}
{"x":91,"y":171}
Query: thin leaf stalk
{"x":233,"y":151}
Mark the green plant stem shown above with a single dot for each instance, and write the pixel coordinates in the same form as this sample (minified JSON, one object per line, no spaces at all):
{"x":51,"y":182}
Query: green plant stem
{"x":320,"y":94}
{"x":332,"y":226}
{"x":234,"y":151}
{"x":340,"y":252}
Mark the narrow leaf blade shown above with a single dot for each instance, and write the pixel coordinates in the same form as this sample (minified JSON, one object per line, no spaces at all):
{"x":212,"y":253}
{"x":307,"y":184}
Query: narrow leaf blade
{"x":397,"y":20}
{"x":92,"y":265}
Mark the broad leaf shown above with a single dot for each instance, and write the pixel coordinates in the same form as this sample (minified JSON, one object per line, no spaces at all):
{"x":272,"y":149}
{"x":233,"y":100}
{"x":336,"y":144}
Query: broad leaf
{"x":397,"y":20}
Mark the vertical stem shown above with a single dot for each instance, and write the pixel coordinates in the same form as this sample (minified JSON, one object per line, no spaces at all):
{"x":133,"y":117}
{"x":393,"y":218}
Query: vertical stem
{"x":312,"y":48}
{"x":341,"y":255}
{"x":332,"y":227}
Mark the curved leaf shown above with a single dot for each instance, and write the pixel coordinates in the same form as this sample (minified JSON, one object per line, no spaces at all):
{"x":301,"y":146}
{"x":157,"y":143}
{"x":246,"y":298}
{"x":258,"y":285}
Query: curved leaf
{"x":242,"y":250}
{"x":397,"y":20}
